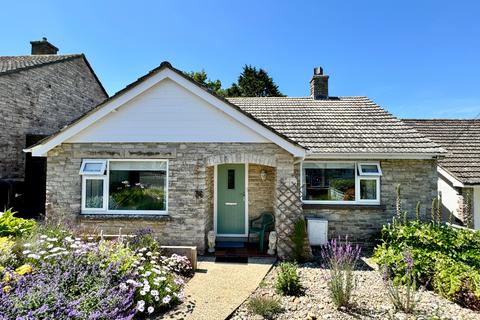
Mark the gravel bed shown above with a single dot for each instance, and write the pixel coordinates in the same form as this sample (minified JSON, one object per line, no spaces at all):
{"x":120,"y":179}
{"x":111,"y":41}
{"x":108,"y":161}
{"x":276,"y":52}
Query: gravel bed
{"x":370,"y":300}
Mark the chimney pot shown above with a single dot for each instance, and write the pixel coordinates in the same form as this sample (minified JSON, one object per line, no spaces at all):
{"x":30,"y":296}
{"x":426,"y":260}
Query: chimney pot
{"x":43,"y":47}
{"x":319,"y":84}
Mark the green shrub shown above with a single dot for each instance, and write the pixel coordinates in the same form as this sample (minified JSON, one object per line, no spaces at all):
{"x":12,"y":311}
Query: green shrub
{"x":288,"y":281}
{"x":265,"y":306}
{"x":7,"y":257}
{"x":458,"y":282}
{"x":13,"y":226}
{"x":298,"y":239}
{"x":446,"y":258}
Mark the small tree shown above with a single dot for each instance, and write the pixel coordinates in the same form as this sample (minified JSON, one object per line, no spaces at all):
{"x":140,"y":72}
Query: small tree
{"x":254,"y":82}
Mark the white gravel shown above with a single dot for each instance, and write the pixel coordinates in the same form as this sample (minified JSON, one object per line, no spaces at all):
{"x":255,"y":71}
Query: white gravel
{"x":370,"y":300}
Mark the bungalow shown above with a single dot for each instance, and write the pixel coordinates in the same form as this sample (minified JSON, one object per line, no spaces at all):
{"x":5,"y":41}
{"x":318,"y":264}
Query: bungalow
{"x":459,"y":170}
{"x":168,"y":154}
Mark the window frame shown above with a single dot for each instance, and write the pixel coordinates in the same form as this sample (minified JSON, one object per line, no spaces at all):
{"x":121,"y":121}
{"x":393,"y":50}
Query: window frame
{"x":106,"y":191}
{"x":87,"y":161}
{"x":358,"y":177}
{"x":369,"y":174}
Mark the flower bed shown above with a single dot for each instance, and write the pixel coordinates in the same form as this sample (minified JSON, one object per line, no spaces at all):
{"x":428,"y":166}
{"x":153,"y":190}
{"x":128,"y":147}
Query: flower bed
{"x":55,"y":275}
{"x":443,"y":258}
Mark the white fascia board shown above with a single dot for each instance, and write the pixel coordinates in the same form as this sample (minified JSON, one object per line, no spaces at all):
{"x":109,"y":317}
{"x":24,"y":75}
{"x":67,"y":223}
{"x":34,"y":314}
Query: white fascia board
{"x":376,"y":156}
{"x":455,"y":182}
{"x":111,"y":106}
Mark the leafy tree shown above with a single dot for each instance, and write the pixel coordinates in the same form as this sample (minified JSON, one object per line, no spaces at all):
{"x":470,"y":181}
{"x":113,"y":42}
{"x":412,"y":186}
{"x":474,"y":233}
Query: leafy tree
{"x":254,"y":82}
{"x":202,"y":78}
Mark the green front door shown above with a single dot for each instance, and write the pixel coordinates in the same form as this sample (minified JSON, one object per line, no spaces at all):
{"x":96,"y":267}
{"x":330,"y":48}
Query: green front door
{"x":231,"y":199}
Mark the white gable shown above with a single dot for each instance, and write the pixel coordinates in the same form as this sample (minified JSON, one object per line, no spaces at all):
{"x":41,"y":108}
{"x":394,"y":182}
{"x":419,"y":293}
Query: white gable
{"x":165,"y":107}
{"x":167,"y":112}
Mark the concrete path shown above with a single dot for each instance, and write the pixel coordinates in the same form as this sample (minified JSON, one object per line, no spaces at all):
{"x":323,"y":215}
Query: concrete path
{"x":217,"y":289}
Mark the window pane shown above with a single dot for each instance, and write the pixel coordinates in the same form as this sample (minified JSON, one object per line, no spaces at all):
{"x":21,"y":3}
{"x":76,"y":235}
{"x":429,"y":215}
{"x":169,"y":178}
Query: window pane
{"x":368,"y":189}
{"x":231,"y":179}
{"x":93,"y":194}
{"x":369,"y":168}
{"x":136,"y":185}
{"x":329,"y":181}
{"x":92,"y":167}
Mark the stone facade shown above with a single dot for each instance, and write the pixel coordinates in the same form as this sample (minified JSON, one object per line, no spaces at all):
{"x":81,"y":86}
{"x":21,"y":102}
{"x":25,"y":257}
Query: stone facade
{"x":40,"y":101}
{"x":191,"y":191}
{"x":190,"y":206}
{"x":418,"y":179}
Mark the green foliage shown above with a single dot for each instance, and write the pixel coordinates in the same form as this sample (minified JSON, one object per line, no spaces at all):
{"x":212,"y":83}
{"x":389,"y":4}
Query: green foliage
{"x":288,"y":280}
{"x":13,"y":226}
{"x":202,"y":78}
{"x":458,"y":282}
{"x":254,"y":82}
{"x":417,"y":210}
{"x":298,"y":239}
{"x":114,"y":253}
{"x":265,"y":306}
{"x":7,"y":257}
{"x":441,"y":254}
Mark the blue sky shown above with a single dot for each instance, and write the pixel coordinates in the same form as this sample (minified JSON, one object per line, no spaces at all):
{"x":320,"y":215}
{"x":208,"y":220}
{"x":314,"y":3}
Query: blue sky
{"x":415,"y":58}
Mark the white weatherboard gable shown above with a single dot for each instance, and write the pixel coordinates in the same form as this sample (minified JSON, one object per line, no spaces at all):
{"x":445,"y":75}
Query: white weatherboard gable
{"x":110,"y":107}
{"x":167,"y":112}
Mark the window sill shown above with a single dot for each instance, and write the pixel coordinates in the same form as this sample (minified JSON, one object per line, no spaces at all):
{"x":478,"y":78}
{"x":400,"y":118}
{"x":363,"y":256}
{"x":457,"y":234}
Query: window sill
{"x":346,"y":206}
{"x":125,"y":216}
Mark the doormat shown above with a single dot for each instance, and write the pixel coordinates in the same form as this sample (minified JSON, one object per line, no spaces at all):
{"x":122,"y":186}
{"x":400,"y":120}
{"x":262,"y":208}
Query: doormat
{"x":232,"y":259}
{"x":230,"y":244}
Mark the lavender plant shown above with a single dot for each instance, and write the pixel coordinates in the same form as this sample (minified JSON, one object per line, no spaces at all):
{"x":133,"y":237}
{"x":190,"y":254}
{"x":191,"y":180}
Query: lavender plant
{"x":341,"y":257}
{"x":403,"y":297}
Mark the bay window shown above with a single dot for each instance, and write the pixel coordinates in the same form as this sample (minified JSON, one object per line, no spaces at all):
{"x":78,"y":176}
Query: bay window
{"x":341,"y":182}
{"x":124,"y":186}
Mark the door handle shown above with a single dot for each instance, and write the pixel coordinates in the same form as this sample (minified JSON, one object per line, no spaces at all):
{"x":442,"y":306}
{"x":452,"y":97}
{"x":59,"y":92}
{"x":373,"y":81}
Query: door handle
{"x":230,"y":203}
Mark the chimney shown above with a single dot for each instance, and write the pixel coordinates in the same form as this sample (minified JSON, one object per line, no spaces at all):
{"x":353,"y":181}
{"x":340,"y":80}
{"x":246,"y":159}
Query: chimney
{"x":43,"y":47}
{"x":319,"y":84}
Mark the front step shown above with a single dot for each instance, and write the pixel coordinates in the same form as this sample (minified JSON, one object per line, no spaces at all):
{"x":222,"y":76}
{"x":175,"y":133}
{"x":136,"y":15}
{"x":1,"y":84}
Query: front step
{"x":231,"y":239}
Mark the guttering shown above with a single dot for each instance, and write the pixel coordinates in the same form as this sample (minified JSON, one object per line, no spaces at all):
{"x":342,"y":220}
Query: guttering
{"x":377,"y":156}
{"x":447,"y":175}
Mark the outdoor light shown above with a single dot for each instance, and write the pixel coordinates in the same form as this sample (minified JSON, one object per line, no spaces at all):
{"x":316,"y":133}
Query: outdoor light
{"x":263,"y":175}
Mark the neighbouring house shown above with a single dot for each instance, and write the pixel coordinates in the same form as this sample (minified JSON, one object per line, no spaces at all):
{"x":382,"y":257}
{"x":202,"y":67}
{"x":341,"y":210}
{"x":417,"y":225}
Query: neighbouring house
{"x":39,"y":94}
{"x":167,"y":154}
{"x":459,"y":171}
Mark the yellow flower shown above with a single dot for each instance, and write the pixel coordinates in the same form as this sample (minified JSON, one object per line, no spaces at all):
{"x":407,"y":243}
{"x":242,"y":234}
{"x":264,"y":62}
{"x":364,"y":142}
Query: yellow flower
{"x":22,"y":270}
{"x":7,"y":289}
{"x":7,"y":277}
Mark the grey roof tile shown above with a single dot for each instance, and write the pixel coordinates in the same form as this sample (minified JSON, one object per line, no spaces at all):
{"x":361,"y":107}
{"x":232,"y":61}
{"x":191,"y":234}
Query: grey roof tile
{"x":10,"y":64}
{"x":338,"y":125}
{"x":461,"y":138}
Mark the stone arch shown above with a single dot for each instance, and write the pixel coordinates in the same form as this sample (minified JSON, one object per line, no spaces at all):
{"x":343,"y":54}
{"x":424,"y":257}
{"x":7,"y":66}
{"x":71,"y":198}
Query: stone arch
{"x":242,"y":157}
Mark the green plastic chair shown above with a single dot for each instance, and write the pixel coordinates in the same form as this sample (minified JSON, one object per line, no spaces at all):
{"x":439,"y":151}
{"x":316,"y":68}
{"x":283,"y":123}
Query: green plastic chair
{"x":261,"y":225}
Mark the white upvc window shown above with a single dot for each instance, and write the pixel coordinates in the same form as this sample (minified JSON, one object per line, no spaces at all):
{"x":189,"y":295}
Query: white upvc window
{"x":93,"y":167}
{"x":124,"y":186}
{"x":342,"y":182}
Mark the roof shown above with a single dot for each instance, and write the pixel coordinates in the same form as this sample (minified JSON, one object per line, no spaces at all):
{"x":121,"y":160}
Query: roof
{"x":338,"y":125}
{"x":291,"y":144}
{"x":13,"y":64}
{"x":341,"y":126}
{"x":461,"y":138}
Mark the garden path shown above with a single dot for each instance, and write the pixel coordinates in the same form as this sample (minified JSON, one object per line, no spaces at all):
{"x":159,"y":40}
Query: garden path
{"x":217,"y":289}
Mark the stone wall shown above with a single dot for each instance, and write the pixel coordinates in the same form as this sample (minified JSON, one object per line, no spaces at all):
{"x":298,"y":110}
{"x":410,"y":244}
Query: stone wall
{"x":189,"y":197}
{"x":260,"y":193}
{"x":40,"y":101}
{"x":418,"y":179}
